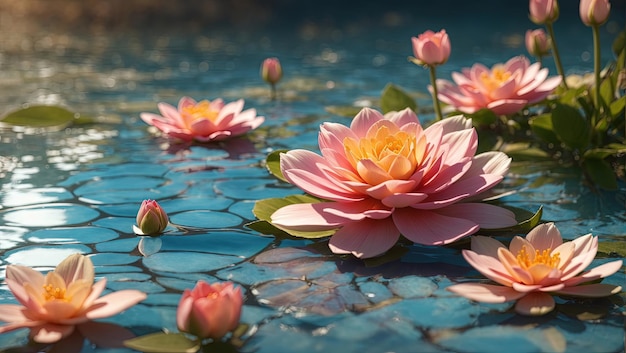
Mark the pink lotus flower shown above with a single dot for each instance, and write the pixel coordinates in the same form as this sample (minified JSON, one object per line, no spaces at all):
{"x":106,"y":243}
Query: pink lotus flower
{"x":64,"y":300}
{"x":594,"y":12}
{"x":151,"y":219}
{"x":203,"y":121}
{"x":533,"y":269}
{"x":537,"y":43}
{"x":385,"y":175}
{"x":504,"y":89}
{"x":543,"y":11}
{"x":431,"y":48}
{"x":271,"y":71}
{"x":209,"y":310}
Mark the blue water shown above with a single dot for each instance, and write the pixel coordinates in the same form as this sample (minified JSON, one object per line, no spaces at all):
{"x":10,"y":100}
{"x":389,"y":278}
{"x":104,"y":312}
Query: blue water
{"x":78,"y":189}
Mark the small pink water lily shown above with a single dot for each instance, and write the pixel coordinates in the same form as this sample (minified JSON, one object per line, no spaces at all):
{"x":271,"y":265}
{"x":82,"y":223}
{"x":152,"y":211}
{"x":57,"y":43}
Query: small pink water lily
{"x":203,"y":121}
{"x":385,"y":175}
{"x":209,"y":310}
{"x":537,"y":43}
{"x":594,"y":12}
{"x":504,"y":89}
{"x":534,"y":268}
{"x":64,"y":300}
{"x":151,"y":219}
{"x":543,"y":11}
{"x":431,"y":48}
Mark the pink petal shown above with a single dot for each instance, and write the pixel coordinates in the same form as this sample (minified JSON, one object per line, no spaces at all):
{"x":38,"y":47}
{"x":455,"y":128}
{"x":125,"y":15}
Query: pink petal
{"x":595,"y":290}
{"x":492,"y":162}
{"x":431,"y":228}
{"x":490,"y":267}
{"x":365,"y":239}
{"x":486,"y":293}
{"x":170,"y":115}
{"x":114,"y":303}
{"x":595,"y":273}
{"x":403,"y":117}
{"x":96,"y":290}
{"x":507,"y":106}
{"x":545,"y":236}
{"x":486,"y":215}
{"x":391,"y":187}
{"x":75,"y":267}
{"x":186,"y":102}
{"x":460,"y":190}
{"x":534,"y":304}
{"x":403,"y":200}
{"x":50,"y":333}
{"x":202,"y":127}
{"x":524,"y":288}
{"x":364,"y":120}
{"x":228,"y":112}
{"x":12,"y":313}
{"x":307,"y":217}
{"x":486,"y":246}
{"x":17,"y":275}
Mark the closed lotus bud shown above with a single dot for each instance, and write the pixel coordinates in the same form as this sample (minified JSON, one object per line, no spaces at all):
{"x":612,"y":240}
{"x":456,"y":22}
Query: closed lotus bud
{"x":594,"y":12}
{"x":543,"y":11}
{"x":209,"y":310}
{"x":537,"y":42}
{"x":431,"y":48}
{"x":151,"y":219}
{"x":271,"y":71}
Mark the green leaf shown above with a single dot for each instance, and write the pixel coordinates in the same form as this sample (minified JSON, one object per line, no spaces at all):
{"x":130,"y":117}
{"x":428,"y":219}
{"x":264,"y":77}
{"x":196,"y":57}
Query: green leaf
{"x":570,"y":126}
{"x":272,"y":162}
{"x":483,"y":117}
{"x":541,"y":126}
{"x":163,"y":343}
{"x":619,"y":44}
{"x":612,"y":248}
{"x":395,"y":99}
{"x":601,"y":173}
{"x":599,"y":153}
{"x":526,"y":221}
{"x":617,"y":107}
{"x":524,"y":151}
{"x":40,"y":116}
{"x":348,"y":111}
{"x":263,"y":210}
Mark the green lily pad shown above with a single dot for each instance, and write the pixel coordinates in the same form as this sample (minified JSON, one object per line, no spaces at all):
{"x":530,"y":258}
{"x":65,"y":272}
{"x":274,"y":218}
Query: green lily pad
{"x":612,"y":248}
{"x":395,"y":99}
{"x":40,"y":116}
{"x":272,"y":162}
{"x":163,"y":343}
{"x":347,"y":111}
{"x":526,"y":221}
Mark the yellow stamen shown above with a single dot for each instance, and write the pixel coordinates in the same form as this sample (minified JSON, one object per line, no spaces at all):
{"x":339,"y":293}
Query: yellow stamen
{"x":542,"y":257}
{"x":494,"y":79}
{"x":202,"y":110}
{"x":54,"y":293}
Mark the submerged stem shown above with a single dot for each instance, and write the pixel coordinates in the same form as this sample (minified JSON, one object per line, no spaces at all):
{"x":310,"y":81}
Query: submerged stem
{"x":433,"y":80}
{"x":555,"y":54}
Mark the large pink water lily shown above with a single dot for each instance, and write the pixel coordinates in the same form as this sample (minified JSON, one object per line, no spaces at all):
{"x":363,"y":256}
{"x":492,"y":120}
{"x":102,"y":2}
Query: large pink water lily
{"x":203,"y":121}
{"x":504,"y":89}
{"x":64,"y":300}
{"x":534,"y":268}
{"x":385,"y":175}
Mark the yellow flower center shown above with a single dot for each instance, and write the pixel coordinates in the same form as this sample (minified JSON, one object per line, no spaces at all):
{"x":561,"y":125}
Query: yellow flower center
{"x":396,"y":152}
{"x":494,"y":79}
{"x":54,"y":293}
{"x":543,"y":257}
{"x":213,"y":295}
{"x":200,"y":111}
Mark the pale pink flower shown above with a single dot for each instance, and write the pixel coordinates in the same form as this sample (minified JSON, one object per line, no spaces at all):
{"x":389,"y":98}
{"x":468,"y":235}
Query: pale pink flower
{"x":431,"y":48}
{"x":533,"y":269}
{"x":594,"y":12}
{"x":543,"y":11}
{"x":151,"y":219}
{"x":504,"y":89}
{"x":537,"y":42}
{"x":271,"y":70}
{"x":203,"y":121}
{"x":64,"y":300}
{"x":385,"y":175}
{"x":209,"y":310}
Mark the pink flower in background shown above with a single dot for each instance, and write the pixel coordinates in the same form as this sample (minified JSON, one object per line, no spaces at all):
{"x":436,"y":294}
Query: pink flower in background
{"x":534,"y":268}
{"x":537,"y":43}
{"x":543,"y":11}
{"x":271,"y":71}
{"x":64,"y":300}
{"x":385,"y":175}
{"x":504,"y":89}
{"x":203,"y":121}
{"x":594,"y":12}
{"x":151,"y":219}
{"x":209,"y":310}
{"x":431,"y":48}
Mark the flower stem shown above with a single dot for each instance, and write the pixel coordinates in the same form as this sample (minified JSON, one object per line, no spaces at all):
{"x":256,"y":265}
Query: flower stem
{"x":272,"y":91}
{"x":433,"y":81}
{"x":555,"y":54}
{"x":596,"y":67}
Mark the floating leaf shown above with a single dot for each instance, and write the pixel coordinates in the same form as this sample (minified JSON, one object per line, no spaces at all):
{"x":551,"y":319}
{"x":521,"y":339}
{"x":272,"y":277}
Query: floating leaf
{"x":263,"y":210}
{"x":526,"y":221}
{"x":163,"y":343}
{"x":347,"y":111}
{"x":612,"y":248}
{"x":395,"y":99}
{"x":601,"y":173}
{"x":570,"y":126}
{"x":40,"y":116}
{"x":272,"y":162}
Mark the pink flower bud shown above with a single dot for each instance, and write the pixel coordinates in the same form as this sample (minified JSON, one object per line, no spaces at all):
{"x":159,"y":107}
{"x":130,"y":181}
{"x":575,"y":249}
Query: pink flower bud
{"x":209,"y":310}
{"x":431,"y":48}
{"x":271,"y":71}
{"x":594,"y":12}
{"x":151,"y":219}
{"x":537,"y":42}
{"x":543,"y":11}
